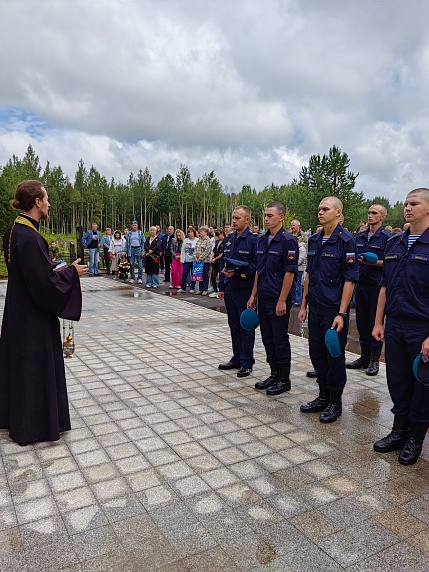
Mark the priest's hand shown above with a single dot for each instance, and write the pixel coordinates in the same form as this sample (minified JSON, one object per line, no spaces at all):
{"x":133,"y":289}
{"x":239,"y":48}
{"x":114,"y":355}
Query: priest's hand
{"x":82,"y":269}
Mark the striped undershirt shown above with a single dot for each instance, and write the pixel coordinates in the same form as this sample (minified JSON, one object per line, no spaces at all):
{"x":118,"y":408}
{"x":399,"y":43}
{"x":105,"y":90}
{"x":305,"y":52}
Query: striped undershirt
{"x":412,"y":239}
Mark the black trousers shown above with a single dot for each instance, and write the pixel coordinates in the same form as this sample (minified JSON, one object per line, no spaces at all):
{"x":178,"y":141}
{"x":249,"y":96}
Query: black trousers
{"x":167,"y":275}
{"x":213,"y":276}
{"x":106,"y":259}
{"x":331,"y":372}
{"x":366,"y":297}
{"x":274,"y":330}
{"x":403,"y":342}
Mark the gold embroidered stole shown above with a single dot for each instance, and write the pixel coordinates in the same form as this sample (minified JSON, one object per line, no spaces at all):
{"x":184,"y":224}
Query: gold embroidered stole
{"x":19,"y":220}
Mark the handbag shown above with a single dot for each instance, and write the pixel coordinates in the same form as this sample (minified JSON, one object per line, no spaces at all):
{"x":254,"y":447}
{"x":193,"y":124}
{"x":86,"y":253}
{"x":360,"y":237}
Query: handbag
{"x":197,"y":271}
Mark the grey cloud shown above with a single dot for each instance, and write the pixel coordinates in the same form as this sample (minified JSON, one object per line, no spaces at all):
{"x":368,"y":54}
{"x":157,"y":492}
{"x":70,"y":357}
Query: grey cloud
{"x":249,"y":89}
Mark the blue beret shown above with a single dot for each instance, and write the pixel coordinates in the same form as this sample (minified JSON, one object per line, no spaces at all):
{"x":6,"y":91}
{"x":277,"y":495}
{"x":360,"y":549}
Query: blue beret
{"x":333,"y":343}
{"x":237,"y":263}
{"x":249,"y":319}
{"x":421,"y":369}
{"x":369,"y":257}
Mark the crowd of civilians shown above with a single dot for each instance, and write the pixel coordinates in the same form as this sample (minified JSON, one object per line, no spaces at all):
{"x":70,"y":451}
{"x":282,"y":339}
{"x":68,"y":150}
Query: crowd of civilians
{"x":176,"y":252}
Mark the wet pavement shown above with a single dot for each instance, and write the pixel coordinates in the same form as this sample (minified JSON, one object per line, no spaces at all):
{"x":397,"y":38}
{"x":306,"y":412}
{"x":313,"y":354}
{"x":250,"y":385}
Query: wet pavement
{"x":173,"y":465}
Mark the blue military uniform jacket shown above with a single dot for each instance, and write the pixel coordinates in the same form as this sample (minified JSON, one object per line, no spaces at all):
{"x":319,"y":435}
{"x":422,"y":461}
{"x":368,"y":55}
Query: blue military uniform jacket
{"x":243,"y":248}
{"x":329,"y":266}
{"x":406,"y":277}
{"x":275,"y":258}
{"x":368,"y":274}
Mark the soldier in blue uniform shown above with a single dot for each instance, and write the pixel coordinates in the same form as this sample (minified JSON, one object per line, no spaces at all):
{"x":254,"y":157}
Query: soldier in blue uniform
{"x":404,"y":301}
{"x":368,"y":287}
{"x":277,"y":265}
{"x":332,"y":270}
{"x":238,"y":267}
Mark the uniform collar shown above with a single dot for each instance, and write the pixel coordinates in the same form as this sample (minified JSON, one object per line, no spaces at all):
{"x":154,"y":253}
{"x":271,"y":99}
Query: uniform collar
{"x":276,"y":236}
{"x":424,"y":237}
{"x":243,"y":234}
{"x":376,"y":233}
{"x":334,"y":236}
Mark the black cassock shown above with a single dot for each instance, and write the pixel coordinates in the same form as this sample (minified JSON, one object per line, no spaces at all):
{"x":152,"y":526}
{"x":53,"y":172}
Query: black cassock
{"x":33,"y":393}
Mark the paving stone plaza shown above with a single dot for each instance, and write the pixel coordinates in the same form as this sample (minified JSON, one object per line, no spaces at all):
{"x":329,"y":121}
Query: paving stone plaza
{"x":172,"y":465}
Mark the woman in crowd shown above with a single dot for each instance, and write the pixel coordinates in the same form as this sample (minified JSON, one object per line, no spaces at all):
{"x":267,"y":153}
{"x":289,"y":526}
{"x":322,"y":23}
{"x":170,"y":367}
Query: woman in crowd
{"x":202,"y":253}
{"x":116,"y":248}
{"x":176,"y":265}
{"x":215,"y":260}
{"x":187,"y":257}
{"x":153,"y":247}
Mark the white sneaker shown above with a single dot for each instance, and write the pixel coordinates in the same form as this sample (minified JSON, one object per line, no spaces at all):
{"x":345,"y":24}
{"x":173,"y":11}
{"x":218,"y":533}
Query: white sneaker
{"x":155,"y":286}
{"x":213,"y":295}
{"x":180,"y":290}
{"x":171,"y":286}
{"x":140,"y":281}
{"x":132,"y":281}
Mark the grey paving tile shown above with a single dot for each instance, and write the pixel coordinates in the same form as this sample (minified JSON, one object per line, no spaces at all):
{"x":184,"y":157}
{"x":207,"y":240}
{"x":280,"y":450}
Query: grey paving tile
{"x":82,"y":519}
{"x":184,"y":468}
{"x":10,"y":542}
{"x":95,"y":542}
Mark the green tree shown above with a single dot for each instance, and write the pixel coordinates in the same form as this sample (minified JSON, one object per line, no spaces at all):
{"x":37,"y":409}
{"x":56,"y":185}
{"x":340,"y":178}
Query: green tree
{"x":395,"y":216}
{"x":328,"y":176}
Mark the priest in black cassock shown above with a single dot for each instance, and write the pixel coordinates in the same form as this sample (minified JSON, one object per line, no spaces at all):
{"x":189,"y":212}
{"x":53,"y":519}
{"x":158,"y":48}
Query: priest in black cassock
{"x":33,"y":393}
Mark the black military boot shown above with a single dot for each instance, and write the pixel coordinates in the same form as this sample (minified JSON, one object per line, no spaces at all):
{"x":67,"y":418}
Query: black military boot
{"x":318,"y":404}
{"x":413,"y":447}
{"x":397,"y":438}
{"x":283,"y":382}
{"x":361,"y":362}
{"x":312,"y":373}
{"x":374,"y":358}
{"x":274,"y":375}
{"x":334,"y":408}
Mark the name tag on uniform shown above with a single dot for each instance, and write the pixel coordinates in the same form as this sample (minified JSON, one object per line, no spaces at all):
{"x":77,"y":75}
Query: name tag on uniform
{"x":419,"y":258}
{"x":360,"y":245}
{"x":276,"y":252}
{"x":391,"y":257}
{"x":291,"y":254}
{"x":311,"y":253}
{"x":259,"y":251}
{"x":243,"y":252}
{"x":375,"y":246}
{"x":350,"y":257}
{"x":329,"y":255}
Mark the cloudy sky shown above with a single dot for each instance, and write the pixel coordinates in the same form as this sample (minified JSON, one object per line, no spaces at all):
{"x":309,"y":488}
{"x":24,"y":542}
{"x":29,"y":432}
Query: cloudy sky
{"x":248,"y":88}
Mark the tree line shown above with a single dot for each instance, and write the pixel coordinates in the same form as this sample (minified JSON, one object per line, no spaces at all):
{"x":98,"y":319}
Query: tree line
{"x":180,"y":200}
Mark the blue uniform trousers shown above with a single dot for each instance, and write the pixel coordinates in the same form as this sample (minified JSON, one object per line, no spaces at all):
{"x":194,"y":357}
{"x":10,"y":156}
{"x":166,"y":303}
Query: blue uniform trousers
{"x":403,"y":341}
{"x":243,"y":341}
{"x":331,"y":372}
{"x":366,"y":297}
{"x":274,"y":330}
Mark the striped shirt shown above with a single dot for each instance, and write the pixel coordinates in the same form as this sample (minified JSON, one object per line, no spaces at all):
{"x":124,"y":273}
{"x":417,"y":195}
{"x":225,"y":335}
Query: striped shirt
{"x":412,"y":239}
